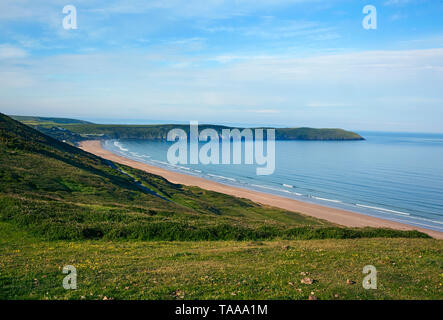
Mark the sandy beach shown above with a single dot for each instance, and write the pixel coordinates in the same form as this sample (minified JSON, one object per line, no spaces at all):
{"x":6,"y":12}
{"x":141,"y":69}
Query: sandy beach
{"x":338,"y":216}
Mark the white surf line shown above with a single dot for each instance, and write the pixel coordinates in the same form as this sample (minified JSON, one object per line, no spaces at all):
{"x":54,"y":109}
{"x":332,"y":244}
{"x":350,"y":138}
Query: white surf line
{"x":276,"y":189}
{"x":325,"y":199}
{"x":270,"y":188}
{"x":221,"y":177}
{"x":164,"y":163}
{"x":412,"y":223}
{"x":120,"y":146}
{"x":406,"y":214}
{"x":425,"y":219}
{"x":382,"y":209}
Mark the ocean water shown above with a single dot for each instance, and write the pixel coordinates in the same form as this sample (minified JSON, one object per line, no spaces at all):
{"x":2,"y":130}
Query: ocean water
{"x":395,"y":176}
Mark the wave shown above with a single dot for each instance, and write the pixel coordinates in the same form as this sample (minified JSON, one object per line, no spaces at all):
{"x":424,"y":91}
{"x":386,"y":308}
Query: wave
{"x":138,"y":155}
{"x":162,"y":162}
{"x":221,"y":177}
{"x":419,"y":224}
{"x":408,"y":215}
{"x":287,"y":185}
{"x":430,"y":220}
{"x":382,"y":209}
{"x":271,"y":188}
{"x":326,"y":199}
{"x":120,"y":146}
{"x":276,"y":189}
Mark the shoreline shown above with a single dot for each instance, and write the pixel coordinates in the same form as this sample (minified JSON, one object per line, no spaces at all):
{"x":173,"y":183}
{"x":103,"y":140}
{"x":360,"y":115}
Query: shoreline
{"x":337,"y":216}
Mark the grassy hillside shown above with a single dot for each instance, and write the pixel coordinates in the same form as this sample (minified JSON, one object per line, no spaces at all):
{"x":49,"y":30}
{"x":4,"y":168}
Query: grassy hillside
{"x":57,"y":191}
{"x":75,"y":130}
{"x":47,"y":120}
{"x":60,"y":192}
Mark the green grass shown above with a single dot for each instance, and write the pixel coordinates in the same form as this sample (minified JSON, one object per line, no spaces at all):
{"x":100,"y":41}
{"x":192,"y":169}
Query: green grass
{"x":32,"y":269}
{"x":46,"y":120}
{"x":153,"y":239}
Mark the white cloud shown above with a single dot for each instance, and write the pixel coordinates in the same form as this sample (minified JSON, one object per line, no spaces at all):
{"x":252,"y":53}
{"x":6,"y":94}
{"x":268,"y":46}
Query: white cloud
{"x":396,"y":2}
{"x":398,"y":16}
{"x":326,"y":105}
{"x":377,"y":85}
{"x":267,"y":111}
{"x":10,"y":52}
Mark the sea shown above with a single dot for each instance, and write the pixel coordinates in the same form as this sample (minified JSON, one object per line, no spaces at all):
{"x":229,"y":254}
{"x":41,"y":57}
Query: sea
{"x":394,"y":176}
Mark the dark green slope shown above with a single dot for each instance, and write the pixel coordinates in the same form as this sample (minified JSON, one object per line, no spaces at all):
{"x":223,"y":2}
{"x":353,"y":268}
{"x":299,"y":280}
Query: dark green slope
{"x":57,"y":191}
{"x":159,"y":132}
{"x":51,"y":120}
{"x":60,"y":191}
{"x":316,"y":134}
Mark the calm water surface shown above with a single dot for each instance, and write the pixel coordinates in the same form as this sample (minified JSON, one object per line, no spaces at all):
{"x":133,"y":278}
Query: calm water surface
{"x":394,"y":176}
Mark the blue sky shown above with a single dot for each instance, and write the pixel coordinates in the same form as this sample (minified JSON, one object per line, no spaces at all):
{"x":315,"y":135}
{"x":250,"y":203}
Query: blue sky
{"x":275,"y":62}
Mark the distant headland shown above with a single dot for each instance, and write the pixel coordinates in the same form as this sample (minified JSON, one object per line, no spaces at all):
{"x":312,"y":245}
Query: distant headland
{"x":74,"y":131}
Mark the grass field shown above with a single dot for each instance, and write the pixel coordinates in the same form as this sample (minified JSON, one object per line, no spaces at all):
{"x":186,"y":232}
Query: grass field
{"x":32,"y":269}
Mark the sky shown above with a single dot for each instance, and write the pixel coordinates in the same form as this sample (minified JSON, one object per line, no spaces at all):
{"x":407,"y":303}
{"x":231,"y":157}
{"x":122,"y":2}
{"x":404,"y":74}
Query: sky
{"x":259,"y":62}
